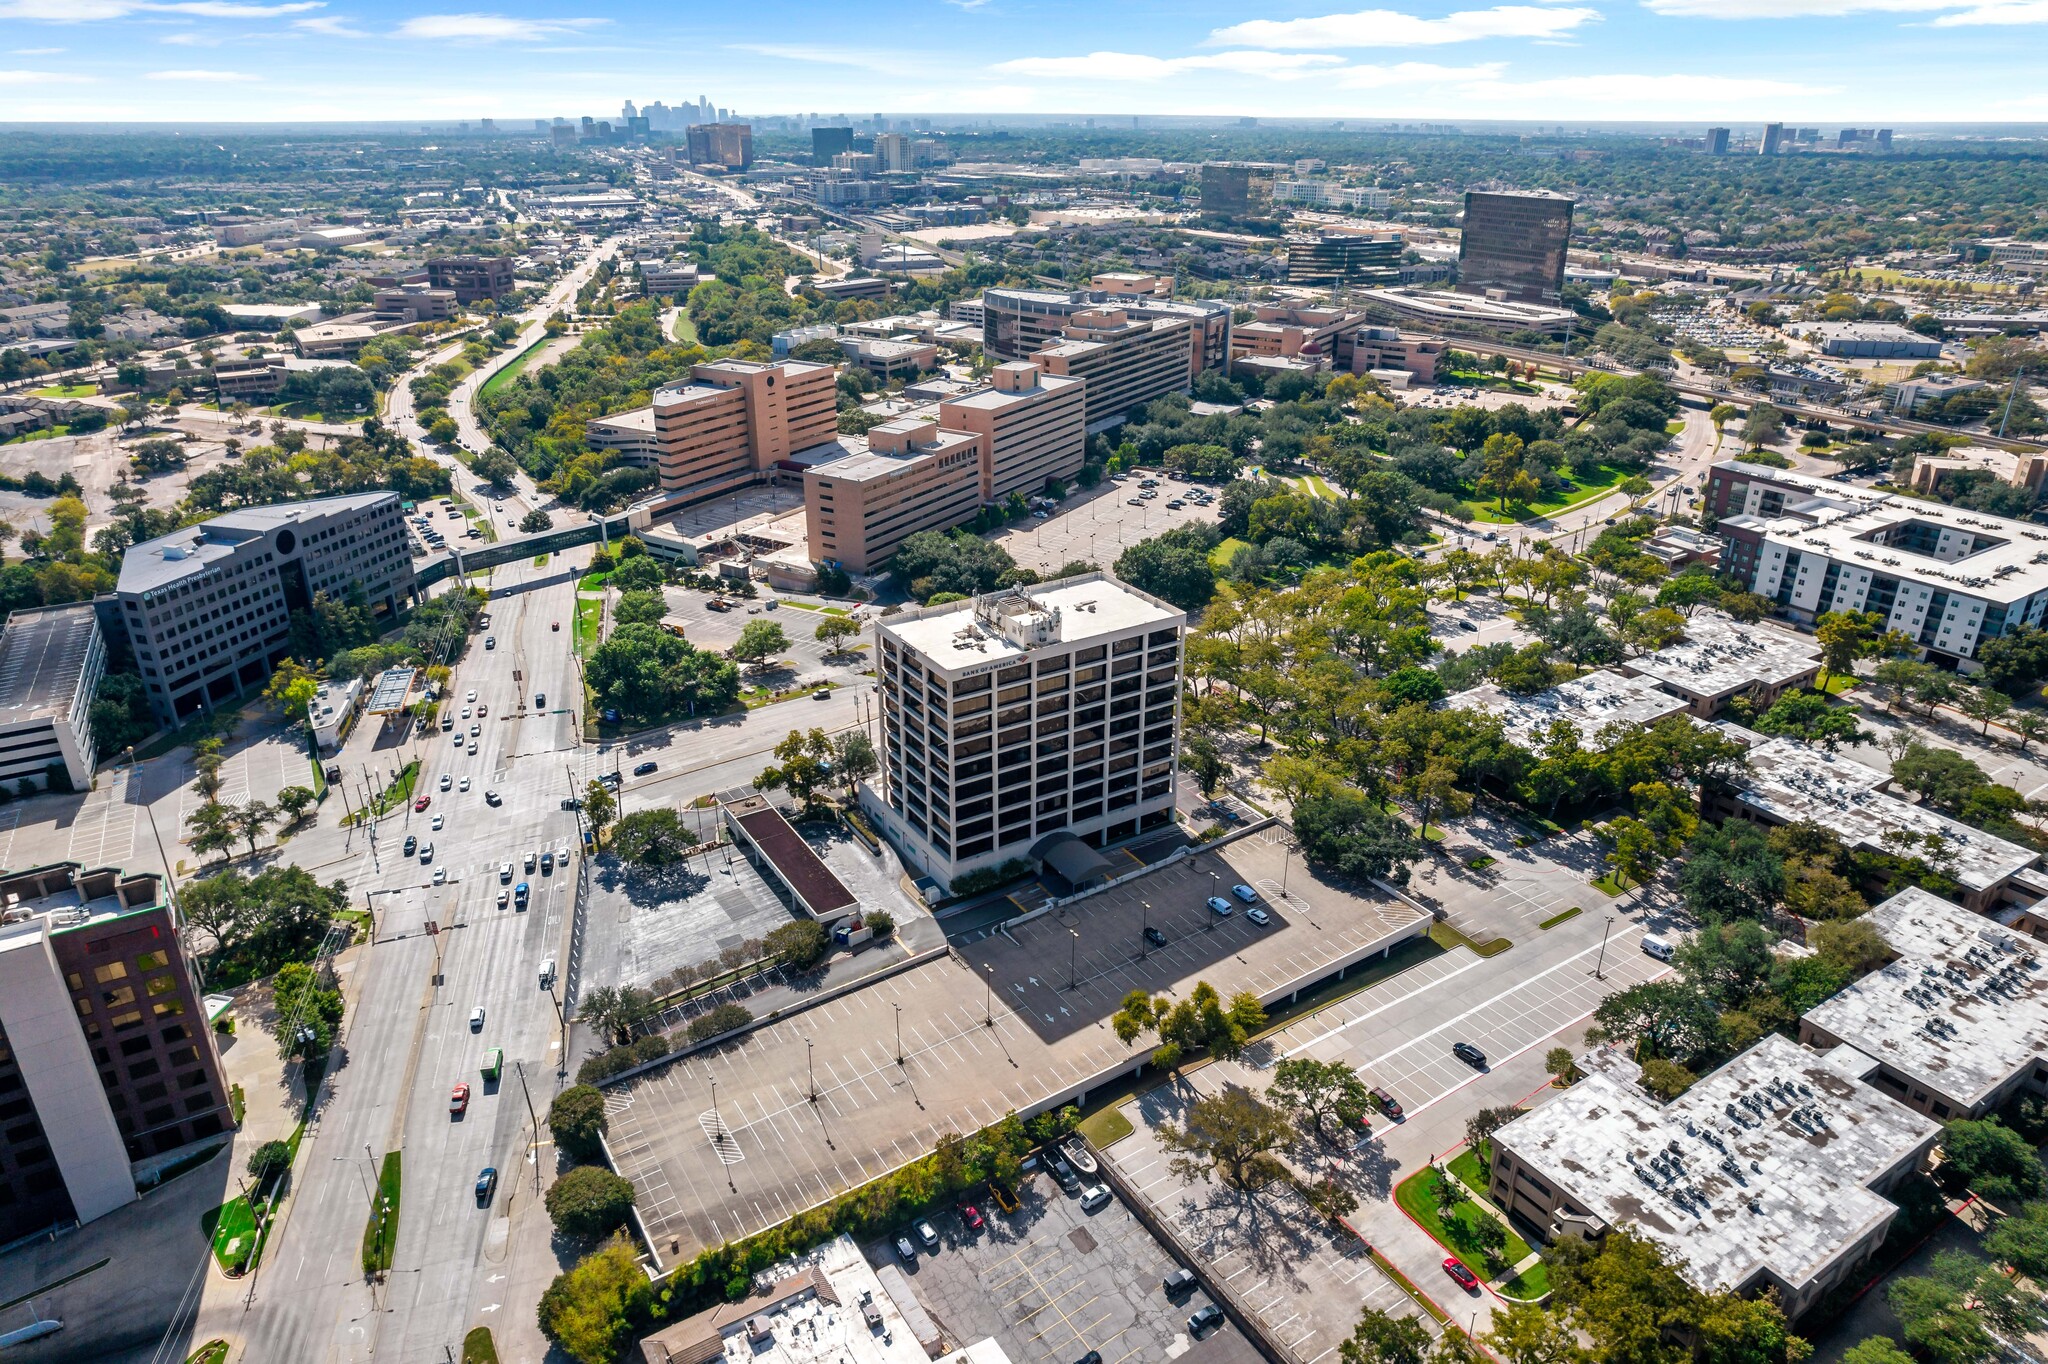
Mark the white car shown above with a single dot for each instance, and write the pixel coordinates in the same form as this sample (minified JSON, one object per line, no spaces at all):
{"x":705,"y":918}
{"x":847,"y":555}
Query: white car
{"x":471,"y":696}
{"x":446,"y":781}
{"x":465,"y":784}
{"x":465,"y":712}
{"x":440,"y":876}
{"x":437,"y":823}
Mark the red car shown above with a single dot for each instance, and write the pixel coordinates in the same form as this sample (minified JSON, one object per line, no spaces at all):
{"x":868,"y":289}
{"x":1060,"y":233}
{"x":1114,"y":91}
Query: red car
{"x":459,"y":1100}
{"x":971,"y":1215}
{"x":1455,"y":1267}
{"x":422,"y":803}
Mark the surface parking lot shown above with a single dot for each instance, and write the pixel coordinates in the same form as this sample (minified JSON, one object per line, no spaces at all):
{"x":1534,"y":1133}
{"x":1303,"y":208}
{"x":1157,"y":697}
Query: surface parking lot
{"x":1098,"y":524}
{"x":1051,"y":1282}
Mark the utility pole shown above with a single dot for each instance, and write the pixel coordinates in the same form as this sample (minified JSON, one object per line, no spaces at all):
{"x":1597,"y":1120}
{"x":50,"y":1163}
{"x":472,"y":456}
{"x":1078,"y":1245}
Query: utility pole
{"x":520,"y":1067}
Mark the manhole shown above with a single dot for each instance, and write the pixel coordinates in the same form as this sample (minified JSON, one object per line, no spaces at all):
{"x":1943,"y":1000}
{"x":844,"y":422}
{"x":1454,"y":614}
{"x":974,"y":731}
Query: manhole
{"x":1083,"y":1242}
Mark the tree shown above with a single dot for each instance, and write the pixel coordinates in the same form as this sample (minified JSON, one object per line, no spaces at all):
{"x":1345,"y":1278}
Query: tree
{"x":1666,"y":1079}
{"x":646,"y":673}
{"x":1936,"y":1321}
{"x":800,"y":944}
{"x":1326,"y":1097}
{"x":1845,"y":637}
{"x":1731,"y":872}
{"x":1876,"y":1350}
{"x":832,"y":631}
{"x":1764,"y":425}
{"x":1636,"y":854}
{"x":577,"y":1119}
{"x":588,"y":1309}
{"x":1344,"y":830}
{"x":1231,"y":1136}
{"x":639,"y":608}
{"x":1990,"y":1159}
{"x":1381,"y":1338}
{"x":291,"y":689}
{"x":802,"y":758}
{"x":616,"y":1011}
{"x":1173,"y":566}
{"x":600,"y":807}
{"x":2020,"y":1239}
{"x":759,"y":640}
{"x":495,"y":467}
{"x":250,"y":819}
{"x":269,"y":1161}
{"x":2016,"y":663}
{"x":589,"y":1201}
{"x":638,"y":573}
{"x":1720,"y":414}
{"x":1666,"y":1017}
{"x":1812,"y":717}
{"x":294,"y":801}
{"x":307,"y":1013}
{"x":1524,"y":1333}
{"x":536,"y":521}
{"x":1560,"y":1065}
{"x":652,"y":838}
{"x":1480,"y":1127}
{"x":1985,"y":704}
{"x":1434,"y":787}
{"x":853,"y":758}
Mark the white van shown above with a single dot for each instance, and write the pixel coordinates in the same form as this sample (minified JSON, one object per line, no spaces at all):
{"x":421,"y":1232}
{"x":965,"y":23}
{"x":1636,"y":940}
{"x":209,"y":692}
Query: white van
{"x":1657,"y":948}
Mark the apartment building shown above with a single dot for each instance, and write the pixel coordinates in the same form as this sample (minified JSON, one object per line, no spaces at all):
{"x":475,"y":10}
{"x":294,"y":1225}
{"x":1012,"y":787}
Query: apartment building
{"x":1125,"y":360}
{"x":1016,"y":323}
{"x":913,"y":475}
{"x":207,"y":608}
{"x":51,"y":661}
{"x":1033,"y":426}
{"x":106,"y":1061}
{"x":735,"y":418}
{"x":1335,"y":256}
{"x":1513,"y":246}
{"x":1946,"y":577}
{"x":1020,"y":719}
{"x":473,"y":278}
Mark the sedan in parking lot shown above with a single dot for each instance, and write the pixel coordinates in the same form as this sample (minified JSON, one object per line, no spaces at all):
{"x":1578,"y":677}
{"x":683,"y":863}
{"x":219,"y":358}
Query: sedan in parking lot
{"x":971,"y":1215}
{"x":1469,"y":1054}
{"x":1258,"y":916}
{"x":1206,"y":1317}
{"x":1464,"y":1277}
{"x":1154,"y":936}
{"x":904,"y":1249}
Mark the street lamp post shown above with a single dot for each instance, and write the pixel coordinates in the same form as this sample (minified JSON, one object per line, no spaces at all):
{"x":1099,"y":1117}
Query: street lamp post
{"x":899,"y":1032}
{"x":989,"y":999}
{"x":1145,"y":937}
{"x":1074,"y":959}
{"x":1600,"y":970}
{"x":810,"y":1070}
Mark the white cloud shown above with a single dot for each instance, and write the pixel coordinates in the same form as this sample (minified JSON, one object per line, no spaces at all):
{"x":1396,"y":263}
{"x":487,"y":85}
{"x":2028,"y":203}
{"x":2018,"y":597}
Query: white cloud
{"x":1391,"y":28}
{"x":883,"y":61}
{"x":190,"y":40}
{"x":1790,"y":9}
{"x":489,"y":28}
{"x":1643,"y":91}
{"x":1131,"y":66}
{"x":2009,"y":12}
{"x":332,"y":25}
{"x":80,"y":11}
{"x":209,"y":77}
{"x":41,"y":78}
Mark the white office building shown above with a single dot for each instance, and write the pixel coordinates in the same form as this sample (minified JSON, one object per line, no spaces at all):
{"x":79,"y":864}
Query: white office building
{"x":1025,"y":715}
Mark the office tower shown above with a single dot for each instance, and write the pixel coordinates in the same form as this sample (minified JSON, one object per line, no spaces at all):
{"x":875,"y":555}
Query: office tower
{"x":628,"y":112}
{"x":730,"y":145}
{"x":1717,"y":141}
{"x":914,"y":475}
{"x":106,"y":1060}
{"x":733,"y":419}
{"x":1333,"y":257}
{"x":1513,"y":246}
{"x":1226,"y":189}
{"x":892,"y":151}
{"x":1027,"y":719}
{"x":827,"y":143}
{"x":1884,"y":139}
{"x":207,"y":607}
{"x":1033,"y":426}
{"x":1773,"y":139}
{"x":1126,"y":359}
{"x":473,"y":278}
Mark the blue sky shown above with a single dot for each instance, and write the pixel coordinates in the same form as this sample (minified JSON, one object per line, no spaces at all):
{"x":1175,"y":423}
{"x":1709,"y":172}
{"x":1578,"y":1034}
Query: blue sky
{"x":1815,"y":61}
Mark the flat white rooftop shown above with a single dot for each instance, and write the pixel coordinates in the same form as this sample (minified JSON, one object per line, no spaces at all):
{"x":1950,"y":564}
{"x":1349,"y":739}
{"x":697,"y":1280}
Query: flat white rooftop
{"x":1718,"y":656}
{"x":1790,"y":781}
{"x":959,"y":635}
{"x":1763,"y":1165}
{"x":1963,"y":1009}
{"x":1589,"y":704}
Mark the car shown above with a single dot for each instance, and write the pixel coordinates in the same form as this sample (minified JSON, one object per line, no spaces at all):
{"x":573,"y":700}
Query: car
{"x":493,"y":798}
{"x":463,"y":785}
{"x":519,"y":893}
{"x":539,"y":699}
{"x":475,"y":729}
{"x":926,"y":1233}
{"x":504,"y":898}
{"x":1154,"y":936}
{"x":422,"y":803}
{"x":1178,"y":1282}
{"x":472,"y":695}
{"x":1464,"y":1277}
{"x":905,"y":1250}
{"x":1041,"y":515}
{"x":547,"y":862}
{"x":1207,"y":1317}
{"x":465,"y":712}
{"x":438,"y":819}
{"x":1094,"y":1196}
{"x":1469,"y":1054}
{"x":531,"y":859}
{"x":1388,"y":1104}
{"x":482,"y":710}
{"x":447,"y":781}
{"x":1135,"y":501}
{"x":505,"y":873}
{"x":459,"y":741}
{"x":1468,"y":627}
{"x":1258,"y":916}
{"x":426,"y":852}
{"x":458,"y":1099}
{"x":1092,"y":1357}
{"x":476,"y":1019}
{"x":1246,"y":894}
{"x":1219,"y":904}
{"x":1608,"y":522}
{"x":971,"y":1215}
{"x":556,"y":626}
{"x":490,"y":643}
{"x":1175,"y":504}
{"x":642,"y":769}
{"x":412,"y":845}
{"x":753,"y":610}
{"x":486,"y":1184}
{"x":440,"y":876}
{"x":610,"y":779}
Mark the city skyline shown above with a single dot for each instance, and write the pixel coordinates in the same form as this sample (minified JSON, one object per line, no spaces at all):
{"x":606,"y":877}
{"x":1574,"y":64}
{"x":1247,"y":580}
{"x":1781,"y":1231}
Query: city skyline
{"x":1893,"y":61}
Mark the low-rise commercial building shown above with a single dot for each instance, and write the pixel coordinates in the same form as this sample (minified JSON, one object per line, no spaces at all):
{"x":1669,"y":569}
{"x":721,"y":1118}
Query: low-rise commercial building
{"x":1330,"y":194}
{"x":207,"y":608}
{"x":51,"y":661}
{"x":415,"y":303}
{"x":1719,"y":660}
{"x":1016,"y":323}
{"x":1589,"y":704}
{"x":1023,"y":715}
{"x":473,"y":278}
{"x":2029,"y":470}
{"x":1772,"y":1173}
{"x":1956,"y":1025}
{"x":850,"y":287}
{"x":888,"y":359}
{"x":1868,"y":340}
{"x":1909,"y":396}
{"x":1440,"y":309}
{"x":1335,"y":256}
{"x":264,"y":376}
{"x":336,"y":340}
{"x":1345,"y":340}
{"x":913,"y":475}
{"x":332,"y":711}
{"x":676,"y":278}
{"x":269,"y":316}
{"x":107,"y":1066}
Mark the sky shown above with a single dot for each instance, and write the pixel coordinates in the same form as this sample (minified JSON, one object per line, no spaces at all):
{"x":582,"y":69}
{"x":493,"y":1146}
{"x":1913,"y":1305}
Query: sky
{"x":1824,"y":62}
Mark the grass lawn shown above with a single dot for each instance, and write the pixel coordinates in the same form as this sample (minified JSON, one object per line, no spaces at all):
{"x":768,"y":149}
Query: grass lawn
{"x":1531,"y":1283}
{"x":47,"y":433}
{"x":1447,"y":937}
{"x":1469,"y":1171}
{"x":1574,"y":492}
{"x":1105,"y":1127}
{"x":396,"y":794}
{"x":592,"y":582}
{"x":1221,"y":556}
{"x":589,"y":613}
{"x":511,"y":371}
{"x":1417,"y":1195}
{"x":478,"y":1347}
{"x":68,"y":391}
{"x":233,"y":1228}
{"x":1610,"y":883}
{"x":1839,"y":683}
{"x":212,"y":1352}
{"x":380,"y":1233}
{"x":686,"y":330}
{"x":1554,"y":920}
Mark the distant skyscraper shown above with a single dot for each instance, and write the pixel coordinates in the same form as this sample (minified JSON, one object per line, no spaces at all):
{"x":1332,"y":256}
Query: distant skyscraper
{"x":1513,"y":246}
{"x":1774,"y":138}
{"x":1226,"y":188}
{"x":628,"y":112}
{"x":1884,"y":139}
{"x":827,"y":143}
{"x":1717,"y":141}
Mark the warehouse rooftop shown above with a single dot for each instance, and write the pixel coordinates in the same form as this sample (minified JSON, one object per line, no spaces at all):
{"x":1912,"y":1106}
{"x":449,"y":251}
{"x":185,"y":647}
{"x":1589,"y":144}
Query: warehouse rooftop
{"x":1589,"y":704}
{"x":1718,"y":655}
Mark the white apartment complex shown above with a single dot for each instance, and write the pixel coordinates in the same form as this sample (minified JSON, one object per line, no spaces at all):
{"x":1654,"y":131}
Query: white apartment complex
{"x":1026,"y":714}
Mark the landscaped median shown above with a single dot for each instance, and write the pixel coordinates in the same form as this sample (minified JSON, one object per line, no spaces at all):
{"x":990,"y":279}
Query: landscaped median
{"x":391,"y":797}
{"x":380,"y":1233}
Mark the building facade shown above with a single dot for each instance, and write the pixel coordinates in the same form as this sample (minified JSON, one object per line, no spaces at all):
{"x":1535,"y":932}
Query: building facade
{"x":1125,"y":360}
{"x":51,"y":661}
{"x":735,"y":418}
{"x":1016,"y":323}
{"x":473,"y":278}
{"x":730,"y":145}
{"x":915,"y":476}
{"x":1021,"y":715}
{"x":207,"y":608}
{"x":106,"y":1060}
{"x":1334,"y":257}
{"x":1513,"y":246}
{"x":1033,"y":426}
